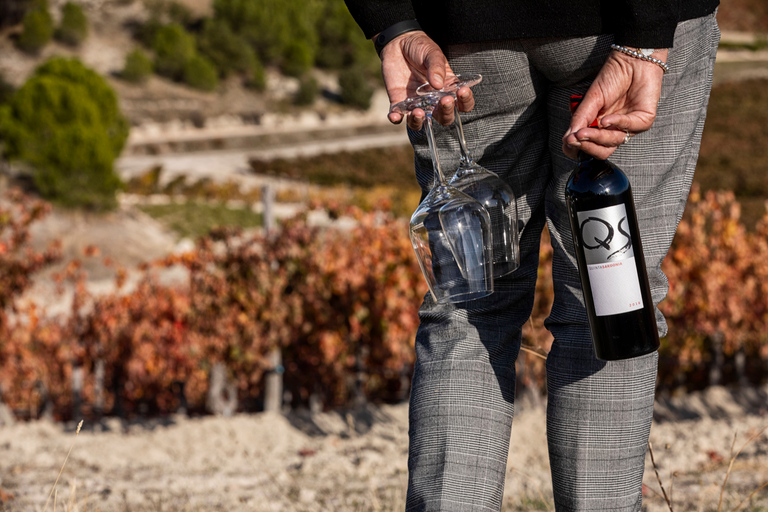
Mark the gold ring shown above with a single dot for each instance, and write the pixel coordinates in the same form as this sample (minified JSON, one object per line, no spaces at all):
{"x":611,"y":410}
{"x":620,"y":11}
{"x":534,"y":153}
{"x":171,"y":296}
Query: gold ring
{"x":627,"y":137}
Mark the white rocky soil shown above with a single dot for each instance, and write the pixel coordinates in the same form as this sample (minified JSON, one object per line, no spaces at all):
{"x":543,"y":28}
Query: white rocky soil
{"x":352,"y":461}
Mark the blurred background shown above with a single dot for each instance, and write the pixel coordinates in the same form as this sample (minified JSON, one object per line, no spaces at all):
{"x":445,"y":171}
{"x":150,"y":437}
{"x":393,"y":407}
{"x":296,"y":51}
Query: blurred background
{"x":204,"y":213}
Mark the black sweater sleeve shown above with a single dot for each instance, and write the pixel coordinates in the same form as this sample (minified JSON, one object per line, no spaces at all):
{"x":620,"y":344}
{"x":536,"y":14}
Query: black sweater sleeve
{"x":638,"y":23}
{"x":643,"y":23}
{"x":373,"y":16}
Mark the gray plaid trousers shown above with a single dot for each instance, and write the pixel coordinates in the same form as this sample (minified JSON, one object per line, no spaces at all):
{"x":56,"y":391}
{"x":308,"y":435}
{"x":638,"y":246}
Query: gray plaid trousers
{"x":598,"y":414}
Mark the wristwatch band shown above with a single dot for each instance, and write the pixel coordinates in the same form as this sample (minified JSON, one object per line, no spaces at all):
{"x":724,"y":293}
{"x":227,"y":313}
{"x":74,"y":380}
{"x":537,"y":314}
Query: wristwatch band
{"x":391,"y":32}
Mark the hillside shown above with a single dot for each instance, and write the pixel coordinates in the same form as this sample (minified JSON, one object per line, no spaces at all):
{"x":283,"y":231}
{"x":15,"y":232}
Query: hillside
{"x":112,"y":27}
{"x":160,"y":103}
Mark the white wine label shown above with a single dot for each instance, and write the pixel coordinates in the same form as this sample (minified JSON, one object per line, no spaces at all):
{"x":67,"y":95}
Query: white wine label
{"x":610,"y":258}
{"x":615,"y":287}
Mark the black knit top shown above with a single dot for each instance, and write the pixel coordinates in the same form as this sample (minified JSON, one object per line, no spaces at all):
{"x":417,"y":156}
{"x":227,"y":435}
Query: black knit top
{"x":639,"y":23}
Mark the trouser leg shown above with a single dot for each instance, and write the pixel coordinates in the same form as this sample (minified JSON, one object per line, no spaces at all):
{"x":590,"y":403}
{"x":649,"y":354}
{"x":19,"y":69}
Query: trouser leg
{"x":599,"y":413}
{"x":462,"y":398}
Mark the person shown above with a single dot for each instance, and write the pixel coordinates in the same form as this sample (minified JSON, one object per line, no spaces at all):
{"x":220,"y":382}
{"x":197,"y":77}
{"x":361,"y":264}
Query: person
{"x":533,"y":56}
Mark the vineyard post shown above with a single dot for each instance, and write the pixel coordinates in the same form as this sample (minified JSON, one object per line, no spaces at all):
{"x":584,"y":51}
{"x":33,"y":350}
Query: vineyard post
{"x":273,"y":385}
{"x":7,"y":418}
{"x":268,"y":207}
{"x":98,"y":388}
{"x":45,"y":407}
{"x":716,"y":370}
{"x":740,"y":362}
{"x":361,"y":374}
{"x":77,"y":390}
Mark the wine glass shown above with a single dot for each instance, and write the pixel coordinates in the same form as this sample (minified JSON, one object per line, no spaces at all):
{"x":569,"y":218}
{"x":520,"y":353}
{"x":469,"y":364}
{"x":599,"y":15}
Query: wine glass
{"x":485,"y":186}
{"x":450,"y":232}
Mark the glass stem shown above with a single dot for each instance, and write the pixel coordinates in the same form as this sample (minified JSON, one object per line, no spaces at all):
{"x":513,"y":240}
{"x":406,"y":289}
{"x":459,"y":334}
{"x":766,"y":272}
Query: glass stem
{"x":439,"y":176}
{"x":466,"y":158}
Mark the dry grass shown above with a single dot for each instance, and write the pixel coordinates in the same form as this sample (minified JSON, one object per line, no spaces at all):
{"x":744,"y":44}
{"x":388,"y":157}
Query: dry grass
{"x":732,"y":459}
{"x":54,"y":491}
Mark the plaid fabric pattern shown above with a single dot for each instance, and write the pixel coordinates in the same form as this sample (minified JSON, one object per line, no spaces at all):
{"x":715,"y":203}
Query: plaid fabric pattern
{"x":599,"y":414}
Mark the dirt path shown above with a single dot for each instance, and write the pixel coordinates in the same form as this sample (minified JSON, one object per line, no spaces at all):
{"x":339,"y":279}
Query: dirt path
{"x":346,"y":462}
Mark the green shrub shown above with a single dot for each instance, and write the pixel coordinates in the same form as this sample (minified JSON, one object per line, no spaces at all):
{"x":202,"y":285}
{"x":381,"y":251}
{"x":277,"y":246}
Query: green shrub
{"x":298,"y":58}
{"x":147,"y":31}
{"x":173,"y":47}
{"x":169,"y":11}
{"x":341,"y":43}
{"x":228,"y":51}
{"x":37,"y":29}
{"x":138,"y":67}
{"x":257,"y":77}
{"x":74,"y":25}
{"x":355,"y":89}
{"x":179,"y":13}
{"x":6,"y":90}
{"x":308,"y":90}
{"x":97,"y":90}
{"x":271,"y":26}
{"x":200,"y":73}
{"x":65,"y":123}
{"x":263,"y":24}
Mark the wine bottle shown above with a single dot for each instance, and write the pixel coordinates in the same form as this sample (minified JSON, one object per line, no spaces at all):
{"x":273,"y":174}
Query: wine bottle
{"x":610,"y":259}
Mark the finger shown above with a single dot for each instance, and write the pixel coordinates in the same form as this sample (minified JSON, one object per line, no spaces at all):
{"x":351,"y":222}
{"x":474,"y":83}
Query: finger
{"x":634,"y":122}
{"x":395,"y":117}
{"x":444,"y":111}
{"x":571,"y":149}
{"x":465,"y":99}
{"x":609,"y":138}
{"x":436,"y":65}
{"x":597,"y":142}
{"x":415,"y":119}
{"x":600,"y":143}
{"x":598,"y":151}
{"x":571,"y":143}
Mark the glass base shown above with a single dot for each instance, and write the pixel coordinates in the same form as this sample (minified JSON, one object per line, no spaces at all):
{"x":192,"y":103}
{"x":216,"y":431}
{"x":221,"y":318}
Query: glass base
{"x":463,"y":297}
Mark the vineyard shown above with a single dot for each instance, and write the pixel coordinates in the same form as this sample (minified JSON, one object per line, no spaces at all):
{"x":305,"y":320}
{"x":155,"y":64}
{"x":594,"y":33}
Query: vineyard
{"x":340,"y":305}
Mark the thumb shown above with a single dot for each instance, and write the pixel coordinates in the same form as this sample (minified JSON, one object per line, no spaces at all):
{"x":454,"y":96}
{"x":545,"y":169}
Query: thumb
{"x":437,"y":66}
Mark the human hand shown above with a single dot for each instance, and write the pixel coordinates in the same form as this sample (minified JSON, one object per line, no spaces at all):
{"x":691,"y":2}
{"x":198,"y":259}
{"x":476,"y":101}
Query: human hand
{"x":407,"y":62}
{"x":623,"y":98}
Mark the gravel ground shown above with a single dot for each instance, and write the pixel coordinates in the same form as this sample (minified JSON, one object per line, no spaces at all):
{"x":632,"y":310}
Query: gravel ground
{"x":351,"y":461}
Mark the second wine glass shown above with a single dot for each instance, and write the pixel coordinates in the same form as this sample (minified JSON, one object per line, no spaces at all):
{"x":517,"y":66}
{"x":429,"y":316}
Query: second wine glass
{"x":450,"y":231}
{"x":484,"y":185}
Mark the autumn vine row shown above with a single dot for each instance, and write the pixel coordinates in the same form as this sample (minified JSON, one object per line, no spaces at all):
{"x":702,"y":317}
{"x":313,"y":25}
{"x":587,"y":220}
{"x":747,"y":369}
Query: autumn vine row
{"x":341,"y":306}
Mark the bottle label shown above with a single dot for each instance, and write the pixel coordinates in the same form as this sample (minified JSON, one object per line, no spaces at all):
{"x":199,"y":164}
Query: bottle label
{"x":610,"y":258}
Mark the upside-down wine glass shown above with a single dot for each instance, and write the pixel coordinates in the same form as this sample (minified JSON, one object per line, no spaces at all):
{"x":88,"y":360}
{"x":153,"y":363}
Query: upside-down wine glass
{"x":450,"y":232}
{"x":485,"y":186}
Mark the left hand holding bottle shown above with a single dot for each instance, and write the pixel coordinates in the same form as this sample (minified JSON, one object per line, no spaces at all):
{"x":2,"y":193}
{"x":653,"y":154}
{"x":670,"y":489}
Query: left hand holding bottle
{"x":623,"y":98}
